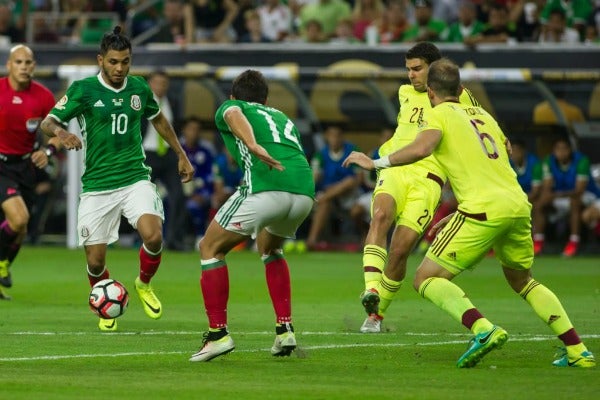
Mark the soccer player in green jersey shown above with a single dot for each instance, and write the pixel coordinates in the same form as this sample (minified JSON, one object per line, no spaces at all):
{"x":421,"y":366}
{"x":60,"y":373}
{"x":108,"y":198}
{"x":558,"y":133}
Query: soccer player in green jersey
{"x":406,"y":197}
{"x":275,"y":197}
{"x":472,"y":149}
{"x":116,"y":182}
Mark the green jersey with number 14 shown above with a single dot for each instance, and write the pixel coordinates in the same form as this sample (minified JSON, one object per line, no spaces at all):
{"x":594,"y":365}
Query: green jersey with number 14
{"x":279,"y":136}
{"x":110,"y":122}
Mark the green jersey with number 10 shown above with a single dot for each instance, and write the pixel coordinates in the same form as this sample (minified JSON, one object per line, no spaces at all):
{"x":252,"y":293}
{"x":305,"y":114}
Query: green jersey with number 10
{"x":279,"y":136}
{"x":110,"y":123}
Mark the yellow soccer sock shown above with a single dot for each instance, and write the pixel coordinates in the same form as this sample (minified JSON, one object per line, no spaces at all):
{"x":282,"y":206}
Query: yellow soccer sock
{"x":374,"y":259}
{"x":547,"y":306}
{"x":387,"y":289}
{"x":451,"y":298}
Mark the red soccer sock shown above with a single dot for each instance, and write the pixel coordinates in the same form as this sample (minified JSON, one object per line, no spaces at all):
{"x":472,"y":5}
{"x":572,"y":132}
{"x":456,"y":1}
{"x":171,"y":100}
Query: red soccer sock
{"x":97,"y":278}
{"x":149,"y":263}
{"x":214,"y":283}
{"x":278,"y":282}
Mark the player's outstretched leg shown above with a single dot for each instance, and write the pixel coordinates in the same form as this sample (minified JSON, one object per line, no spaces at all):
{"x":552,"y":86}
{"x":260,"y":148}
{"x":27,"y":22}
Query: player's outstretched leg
{"x":548,"y":307}
{"x":149,"y":263}
{"x":214,"y":282}
{"x":452,"y":299}
{"x":277,"y":274}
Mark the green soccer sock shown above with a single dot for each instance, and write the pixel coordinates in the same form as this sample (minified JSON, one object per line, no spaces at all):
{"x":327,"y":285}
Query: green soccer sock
{"x":387,"y":289}
{"x":451,"y":298}
{"x":374,"y":260}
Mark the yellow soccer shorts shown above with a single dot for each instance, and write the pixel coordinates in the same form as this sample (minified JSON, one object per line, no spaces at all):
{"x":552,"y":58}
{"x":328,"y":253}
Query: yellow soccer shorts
{"x":416,"y":192}
{"x":466,"y":240}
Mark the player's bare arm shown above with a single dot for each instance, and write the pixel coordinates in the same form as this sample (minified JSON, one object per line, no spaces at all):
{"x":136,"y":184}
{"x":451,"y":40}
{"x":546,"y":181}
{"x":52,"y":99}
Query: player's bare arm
{"x":52,"y":128}
{"x":241,"y":128}
{"x":423,"y":146}
{"x":165,"y":130}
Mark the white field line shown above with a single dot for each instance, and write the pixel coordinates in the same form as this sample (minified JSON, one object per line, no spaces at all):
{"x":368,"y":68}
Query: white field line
{"x":516,"y":338}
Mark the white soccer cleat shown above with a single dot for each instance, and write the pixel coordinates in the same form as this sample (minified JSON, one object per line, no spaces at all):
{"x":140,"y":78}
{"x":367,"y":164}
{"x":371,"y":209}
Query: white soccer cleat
{"x":372,"y":324}
{"x":213,"y":348}
{"x":284,"y":344}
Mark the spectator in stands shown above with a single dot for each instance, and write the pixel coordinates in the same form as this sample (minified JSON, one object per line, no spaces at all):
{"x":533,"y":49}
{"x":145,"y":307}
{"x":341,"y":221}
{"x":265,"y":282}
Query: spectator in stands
{"x":211,"y":20}
{"x":89,"y":28}
{"x":147,"y":14}
{"x":361,"y":209}
{"x":556,"y":29}
{"x":576,"y":11}
{"x":499,"y":28}
{"x":162,"y":159}
{"x":172,"y":25}
{"x":275,"y":19}
{"x":447,"y":10}
{"x":254,"y":28}
{"x":9,"y":33}
{"x":337,"y":187}
{"x":426,"y":28}
{"x":528,"y":169}
{"x":467,"y":25}
{"x":525,"y":14}
{"x":364,"y":14}
{"x":393,"y":23}
{"x":344,"y":33}
{"x":200,"y":190}
{"x":592,"y":34}
{"x":239,"y":23}
{"x":565,"y":185}
{"x":326,"y":12}
{"x":543,"y":114}
{"x":313,"y":32}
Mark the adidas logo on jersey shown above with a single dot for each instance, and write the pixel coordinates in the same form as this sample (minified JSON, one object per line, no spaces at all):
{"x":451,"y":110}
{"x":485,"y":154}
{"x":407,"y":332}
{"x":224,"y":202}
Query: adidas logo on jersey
{"x":99,"y":103}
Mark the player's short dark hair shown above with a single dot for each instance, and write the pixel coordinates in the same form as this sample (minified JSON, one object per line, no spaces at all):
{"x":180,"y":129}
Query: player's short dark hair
{"x":250,"y":86}
{"x":114,"y":40}
{"x":424,"y":50}
{"x":443,"y":78}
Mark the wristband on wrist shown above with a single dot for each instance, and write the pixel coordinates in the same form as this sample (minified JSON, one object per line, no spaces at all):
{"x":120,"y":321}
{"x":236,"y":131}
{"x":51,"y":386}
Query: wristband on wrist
{"x":383,"y":162}
{"x":50,"y":150}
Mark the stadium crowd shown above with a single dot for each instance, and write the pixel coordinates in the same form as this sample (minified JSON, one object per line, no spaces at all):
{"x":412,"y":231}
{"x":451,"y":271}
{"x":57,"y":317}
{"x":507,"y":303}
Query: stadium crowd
{"x":376,"y":22}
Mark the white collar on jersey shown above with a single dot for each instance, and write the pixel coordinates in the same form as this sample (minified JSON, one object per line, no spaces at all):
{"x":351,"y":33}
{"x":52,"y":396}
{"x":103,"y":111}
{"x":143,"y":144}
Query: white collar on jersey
{"x":106,"y":85}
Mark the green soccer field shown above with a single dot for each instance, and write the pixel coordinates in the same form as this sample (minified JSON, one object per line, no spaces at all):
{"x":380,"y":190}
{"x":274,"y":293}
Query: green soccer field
{"x":51,"y":347}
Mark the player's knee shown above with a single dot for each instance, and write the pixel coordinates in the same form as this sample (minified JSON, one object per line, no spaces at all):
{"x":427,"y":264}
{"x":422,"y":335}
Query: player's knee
{"x":154,"y":241}
{"x":382,"y":218}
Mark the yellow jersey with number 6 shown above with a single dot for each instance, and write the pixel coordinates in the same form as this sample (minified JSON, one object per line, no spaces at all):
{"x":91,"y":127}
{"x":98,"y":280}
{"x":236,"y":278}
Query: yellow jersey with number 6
{"x":472,"y":151}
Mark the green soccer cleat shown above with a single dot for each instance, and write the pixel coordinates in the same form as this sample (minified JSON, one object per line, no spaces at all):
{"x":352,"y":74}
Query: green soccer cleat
{"x":482,"y":344}
{"x":107,"y":325}
{"x":151,"y":304}
{"x":5,"y":277}
{"x":583,"y":360}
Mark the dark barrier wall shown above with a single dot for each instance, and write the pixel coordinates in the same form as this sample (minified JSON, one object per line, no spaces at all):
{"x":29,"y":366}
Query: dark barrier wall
{"x":492,"y":56}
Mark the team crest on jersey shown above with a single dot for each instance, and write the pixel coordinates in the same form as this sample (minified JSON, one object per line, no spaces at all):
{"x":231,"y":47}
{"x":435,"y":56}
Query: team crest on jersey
{"x":61,"y":103}
{"x":136,"y":103}
{"x":85,"y":232}
{"x":32,"y":124}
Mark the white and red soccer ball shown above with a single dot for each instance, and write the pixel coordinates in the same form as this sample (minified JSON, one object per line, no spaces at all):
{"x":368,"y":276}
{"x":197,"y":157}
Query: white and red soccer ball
{"x":109,"y":298}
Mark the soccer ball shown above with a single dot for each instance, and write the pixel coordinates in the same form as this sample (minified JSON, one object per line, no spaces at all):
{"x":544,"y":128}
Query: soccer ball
{"x":109,"y":299}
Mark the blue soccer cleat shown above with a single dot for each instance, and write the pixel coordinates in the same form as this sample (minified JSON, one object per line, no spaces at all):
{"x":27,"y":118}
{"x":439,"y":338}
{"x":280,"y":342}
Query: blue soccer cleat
{"x":482,"y":344}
